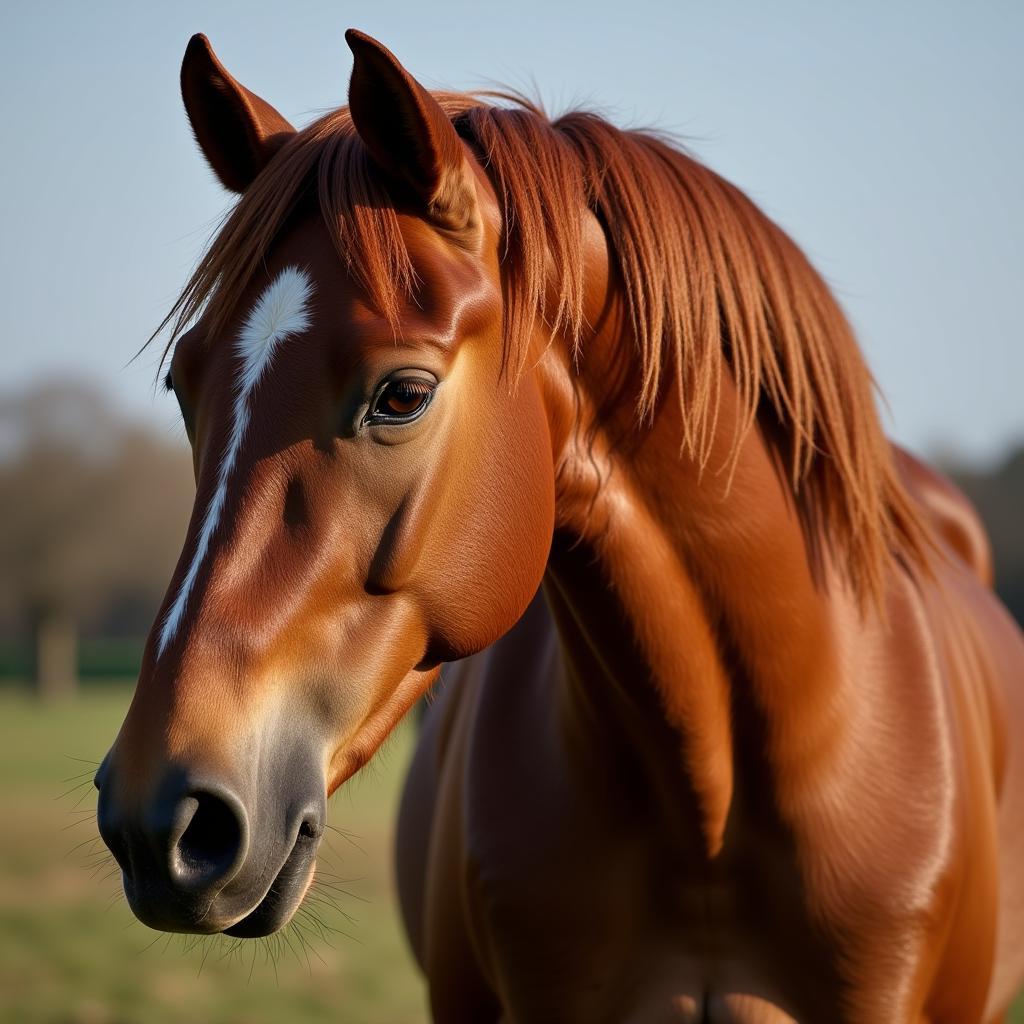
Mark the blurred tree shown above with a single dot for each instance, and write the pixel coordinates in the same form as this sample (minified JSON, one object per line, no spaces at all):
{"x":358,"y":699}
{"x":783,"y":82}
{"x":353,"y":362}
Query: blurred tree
{"x":998,"y":495}
{"x":94,"y":514}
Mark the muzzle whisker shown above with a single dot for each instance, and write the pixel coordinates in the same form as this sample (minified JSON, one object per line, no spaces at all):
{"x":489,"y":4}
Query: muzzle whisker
{"x":81,"y":796}
{"x":309,"y":945}
{"x":334,"y":887}
{"x":94,"y":863}
{"x":73,"y":789}
{"x":207,"y":946}
{"x":288,"y":942}
{"x":330,"y":904}
{"x":269,"y":956}
{"x":85,"y":817}
{"x":99,"y":864}
{"x":252,"y":963}
{"x":318,"y":923}
{"x":232,"y":945}
{"x":89,"y":841}
{"x":112,"y":873}
{"x":349,"y":837}
{"x":299,"y":934}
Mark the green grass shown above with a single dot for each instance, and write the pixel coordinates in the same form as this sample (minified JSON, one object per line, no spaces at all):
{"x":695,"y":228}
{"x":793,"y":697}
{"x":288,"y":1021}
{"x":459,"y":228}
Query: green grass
{"x":71,"y":951}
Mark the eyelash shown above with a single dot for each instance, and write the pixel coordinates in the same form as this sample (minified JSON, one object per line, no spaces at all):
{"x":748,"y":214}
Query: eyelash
{"x":418,"y":388}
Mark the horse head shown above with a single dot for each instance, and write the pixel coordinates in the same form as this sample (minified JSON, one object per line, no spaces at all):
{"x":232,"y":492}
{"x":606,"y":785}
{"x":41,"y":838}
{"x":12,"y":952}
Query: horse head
{"x":374,"y":492}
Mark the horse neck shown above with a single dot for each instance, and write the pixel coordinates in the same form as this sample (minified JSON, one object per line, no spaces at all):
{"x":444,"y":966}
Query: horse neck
{"x":698,"y":583}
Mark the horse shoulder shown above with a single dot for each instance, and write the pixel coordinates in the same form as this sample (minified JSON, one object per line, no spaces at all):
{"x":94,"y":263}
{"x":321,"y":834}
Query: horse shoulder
{"x":980,"y":652}
{"x":991,"y":680}
{"x":897,"y":828}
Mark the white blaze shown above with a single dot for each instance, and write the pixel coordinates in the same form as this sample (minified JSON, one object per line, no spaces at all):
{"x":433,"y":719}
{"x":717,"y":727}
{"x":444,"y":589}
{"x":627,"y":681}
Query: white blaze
{"x":281,"y":312}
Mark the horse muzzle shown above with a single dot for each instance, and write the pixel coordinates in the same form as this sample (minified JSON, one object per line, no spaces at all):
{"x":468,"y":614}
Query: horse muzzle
{"x":200,"y":854}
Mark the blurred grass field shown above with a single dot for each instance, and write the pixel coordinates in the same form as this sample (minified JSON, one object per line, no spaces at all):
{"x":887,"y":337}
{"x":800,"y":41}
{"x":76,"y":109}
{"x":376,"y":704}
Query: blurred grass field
{"x":71,"y":951}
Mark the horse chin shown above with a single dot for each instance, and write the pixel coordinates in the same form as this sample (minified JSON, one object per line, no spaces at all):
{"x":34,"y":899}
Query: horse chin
{"x":284,"y":896}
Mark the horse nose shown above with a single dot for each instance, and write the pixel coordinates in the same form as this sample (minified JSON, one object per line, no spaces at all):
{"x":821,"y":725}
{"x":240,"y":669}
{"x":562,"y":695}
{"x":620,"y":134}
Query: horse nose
{"x":190,"y":838}
{"x":207,"y":838}
{"x":208,"y":852}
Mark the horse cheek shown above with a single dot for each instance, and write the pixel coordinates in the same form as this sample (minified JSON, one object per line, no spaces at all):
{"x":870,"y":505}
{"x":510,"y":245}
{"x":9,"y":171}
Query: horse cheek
{"x":499,"y":534}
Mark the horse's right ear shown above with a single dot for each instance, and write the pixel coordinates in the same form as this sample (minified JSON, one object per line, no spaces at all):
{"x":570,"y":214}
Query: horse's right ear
{"x":237,"y":131}
{"x":408,"y":134}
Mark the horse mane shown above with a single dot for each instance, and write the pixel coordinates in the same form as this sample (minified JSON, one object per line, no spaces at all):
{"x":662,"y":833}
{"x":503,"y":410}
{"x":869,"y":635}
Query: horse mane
{"x":709,"y":283}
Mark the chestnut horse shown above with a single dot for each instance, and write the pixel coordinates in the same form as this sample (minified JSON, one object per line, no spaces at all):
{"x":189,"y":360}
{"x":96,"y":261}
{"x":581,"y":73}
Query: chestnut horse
{"x":753,"y":752}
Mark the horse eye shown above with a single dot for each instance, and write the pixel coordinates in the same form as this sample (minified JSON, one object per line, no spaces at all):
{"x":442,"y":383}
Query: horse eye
{"x":401,"y":400}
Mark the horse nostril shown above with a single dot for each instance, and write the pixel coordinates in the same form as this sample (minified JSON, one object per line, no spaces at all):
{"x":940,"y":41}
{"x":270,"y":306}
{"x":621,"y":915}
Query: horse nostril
{"x":212,"y":838}
{"x":311,"y":829}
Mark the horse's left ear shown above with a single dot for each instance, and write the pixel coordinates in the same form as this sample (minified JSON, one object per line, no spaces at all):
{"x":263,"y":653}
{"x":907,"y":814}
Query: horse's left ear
{"x":409,"y":135}
{"x":237,"y":131}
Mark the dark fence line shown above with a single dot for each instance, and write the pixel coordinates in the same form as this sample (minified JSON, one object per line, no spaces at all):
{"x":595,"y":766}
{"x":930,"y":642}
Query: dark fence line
{"x":99,"y":658}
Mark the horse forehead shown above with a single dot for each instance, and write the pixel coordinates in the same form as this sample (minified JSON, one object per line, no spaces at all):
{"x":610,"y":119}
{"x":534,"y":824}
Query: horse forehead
{"x":455,"y":297}
{"x":457,"y":292}
{"x":455,"y":284}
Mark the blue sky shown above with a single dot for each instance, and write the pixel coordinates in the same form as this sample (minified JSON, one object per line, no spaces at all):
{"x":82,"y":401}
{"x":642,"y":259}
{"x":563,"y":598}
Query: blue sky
{"x":885,"y":137}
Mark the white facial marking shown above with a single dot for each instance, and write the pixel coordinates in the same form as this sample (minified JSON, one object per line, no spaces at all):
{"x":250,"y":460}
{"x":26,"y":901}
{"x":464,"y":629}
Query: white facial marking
{"x":281,"y":312}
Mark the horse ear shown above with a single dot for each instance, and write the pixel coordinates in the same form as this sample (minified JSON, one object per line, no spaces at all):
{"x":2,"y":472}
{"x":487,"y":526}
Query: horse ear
{"x":237,"y":131}
{"x":408,"y":134}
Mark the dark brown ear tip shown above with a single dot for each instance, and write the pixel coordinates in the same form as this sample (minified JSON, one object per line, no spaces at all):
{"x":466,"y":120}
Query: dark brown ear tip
{"x":198,"y":45}
{"x":360,"y":40}
{"x":366,"y":46}
{"x":199,"y":57}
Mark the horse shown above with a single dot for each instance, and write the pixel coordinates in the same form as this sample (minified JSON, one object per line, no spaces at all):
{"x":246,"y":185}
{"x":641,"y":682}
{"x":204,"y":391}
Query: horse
{"x":732,"y":729}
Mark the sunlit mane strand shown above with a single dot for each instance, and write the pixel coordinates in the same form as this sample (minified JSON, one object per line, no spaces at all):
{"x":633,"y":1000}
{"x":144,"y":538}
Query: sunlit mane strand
{"x":281,"y":312}
{"x":710,"y":286}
